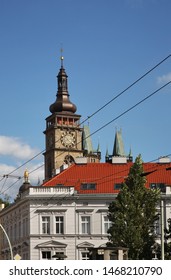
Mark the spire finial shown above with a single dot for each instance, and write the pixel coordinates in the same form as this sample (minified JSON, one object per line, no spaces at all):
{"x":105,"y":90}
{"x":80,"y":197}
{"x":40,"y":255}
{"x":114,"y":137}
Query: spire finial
{"x":88,"y":117}
{"x":26,"y":176}
{"x":62,"y":58}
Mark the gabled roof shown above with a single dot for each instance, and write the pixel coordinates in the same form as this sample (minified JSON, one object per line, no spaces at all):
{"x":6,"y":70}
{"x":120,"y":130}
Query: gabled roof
{"x":106,"y":175}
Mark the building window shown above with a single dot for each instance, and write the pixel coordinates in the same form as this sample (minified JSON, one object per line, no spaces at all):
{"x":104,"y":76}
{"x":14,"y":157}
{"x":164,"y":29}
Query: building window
{"x":15,"y":231}
{"x":85,"y":225}
{"x":46,"y":225}
{"x":160,"y":186}
{"x":88,"y":186}
{"x":106,"y":223}
{"x":85,"y":255}
{"x":49,"y":167}
{"x":25,"y":226}
{"x":60,"y":225}
{"x":156,"y":228}
{"x":46,"y":255}
{"x":19,"y":230}
{"x":117,"y":186}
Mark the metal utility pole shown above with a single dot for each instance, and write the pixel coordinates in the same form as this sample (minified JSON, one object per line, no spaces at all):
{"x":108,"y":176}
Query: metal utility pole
{"x":162,"y":228}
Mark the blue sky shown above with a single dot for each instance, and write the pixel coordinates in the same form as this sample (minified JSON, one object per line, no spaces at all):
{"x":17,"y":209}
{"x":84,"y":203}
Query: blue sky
{"x":107,"y":44}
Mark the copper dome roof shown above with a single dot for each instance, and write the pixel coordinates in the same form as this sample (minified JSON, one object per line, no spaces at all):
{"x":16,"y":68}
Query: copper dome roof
{"x":62,"y":103}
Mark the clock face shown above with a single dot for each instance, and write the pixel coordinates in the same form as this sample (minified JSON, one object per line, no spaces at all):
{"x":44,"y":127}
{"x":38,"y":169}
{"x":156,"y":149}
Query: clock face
{"x":68,"y":139}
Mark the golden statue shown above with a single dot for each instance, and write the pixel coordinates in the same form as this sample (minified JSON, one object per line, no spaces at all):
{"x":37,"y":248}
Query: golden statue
{"x":26,"y":176}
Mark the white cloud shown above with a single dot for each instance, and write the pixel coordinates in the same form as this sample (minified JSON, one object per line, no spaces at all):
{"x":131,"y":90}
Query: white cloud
{"x":9,"y":185}
{"x":12,"y":170}
{"x":164,"y":79}
{"x":12,"y":146}
{"x":6,"y":169}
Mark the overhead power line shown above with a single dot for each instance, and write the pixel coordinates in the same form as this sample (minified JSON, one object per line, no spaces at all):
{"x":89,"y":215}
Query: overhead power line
{"x":105,"y":105}
{"x":127,"y":88}
{"x":131,"y":108}
{"x":114,"y":119}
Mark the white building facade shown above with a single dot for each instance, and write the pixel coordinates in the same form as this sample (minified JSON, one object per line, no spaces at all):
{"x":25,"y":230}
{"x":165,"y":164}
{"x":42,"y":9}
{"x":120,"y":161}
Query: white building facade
{"x":44,"y":222}
{"x":47,"y":221}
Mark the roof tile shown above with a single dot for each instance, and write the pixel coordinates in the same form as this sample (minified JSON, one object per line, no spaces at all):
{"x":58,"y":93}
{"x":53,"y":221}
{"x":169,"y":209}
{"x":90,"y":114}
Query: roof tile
{"x":106,"y":175}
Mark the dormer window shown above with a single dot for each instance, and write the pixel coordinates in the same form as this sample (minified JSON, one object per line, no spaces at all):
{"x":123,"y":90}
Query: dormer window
{"x":88,"y":186}
{"x":117,"y":186}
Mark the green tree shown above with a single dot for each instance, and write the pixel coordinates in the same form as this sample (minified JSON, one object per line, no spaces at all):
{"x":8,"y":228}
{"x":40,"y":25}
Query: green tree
{"x":5,"y":201}
{"x":133,"y":214}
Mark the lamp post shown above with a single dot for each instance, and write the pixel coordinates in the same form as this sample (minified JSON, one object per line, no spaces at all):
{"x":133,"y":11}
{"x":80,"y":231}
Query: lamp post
{"x":8,"y":241}
{"x":162,"y":229}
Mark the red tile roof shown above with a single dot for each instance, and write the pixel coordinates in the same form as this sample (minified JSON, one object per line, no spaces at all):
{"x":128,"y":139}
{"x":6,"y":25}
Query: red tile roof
{"x":106,"y":175}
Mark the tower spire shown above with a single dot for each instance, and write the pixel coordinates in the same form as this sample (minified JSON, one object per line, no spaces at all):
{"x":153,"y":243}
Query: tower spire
{"x":118,"y":149}
{"x":62,"y":103}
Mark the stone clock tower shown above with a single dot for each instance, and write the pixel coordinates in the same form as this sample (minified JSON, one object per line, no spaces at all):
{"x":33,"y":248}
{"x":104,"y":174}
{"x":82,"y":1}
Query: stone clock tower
{"x":63,"y":134}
